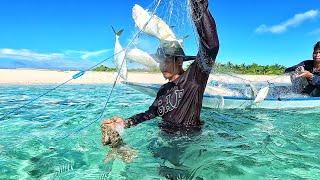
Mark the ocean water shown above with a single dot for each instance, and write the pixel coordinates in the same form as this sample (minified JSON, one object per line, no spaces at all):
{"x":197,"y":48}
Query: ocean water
{"x":233,"y":144}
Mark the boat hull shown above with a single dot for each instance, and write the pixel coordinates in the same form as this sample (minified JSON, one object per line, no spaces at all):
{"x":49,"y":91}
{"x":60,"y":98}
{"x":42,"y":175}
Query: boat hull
{"x":230,"y":102}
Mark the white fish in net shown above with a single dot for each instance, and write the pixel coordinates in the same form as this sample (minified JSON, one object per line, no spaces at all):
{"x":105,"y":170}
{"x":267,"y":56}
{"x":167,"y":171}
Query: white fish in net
{"x":222,"y":91}
{"x":253,"y":90}
{"x":155,"y":25}
{"x":119,"y":57}
{"x":141,"y":57}
{"x":262,"y":94}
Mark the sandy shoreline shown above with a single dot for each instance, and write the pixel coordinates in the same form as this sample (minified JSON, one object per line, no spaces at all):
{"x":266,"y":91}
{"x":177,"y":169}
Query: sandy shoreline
{"x":39,"y":77}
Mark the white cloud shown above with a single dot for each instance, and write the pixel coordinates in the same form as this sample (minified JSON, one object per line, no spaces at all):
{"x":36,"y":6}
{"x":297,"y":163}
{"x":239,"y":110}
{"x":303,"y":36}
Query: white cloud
{"x":26,"y":54}
{"x":87,"y":55}
{"x":292,"y":22}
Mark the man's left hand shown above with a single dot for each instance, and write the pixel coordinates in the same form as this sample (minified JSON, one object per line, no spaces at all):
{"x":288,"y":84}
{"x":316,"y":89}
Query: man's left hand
{"x":204,"y":3}
{"x":198,"y":7}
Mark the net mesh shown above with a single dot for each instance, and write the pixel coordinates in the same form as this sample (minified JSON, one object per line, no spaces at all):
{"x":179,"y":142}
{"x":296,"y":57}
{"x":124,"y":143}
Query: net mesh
{"x":177,"y":15}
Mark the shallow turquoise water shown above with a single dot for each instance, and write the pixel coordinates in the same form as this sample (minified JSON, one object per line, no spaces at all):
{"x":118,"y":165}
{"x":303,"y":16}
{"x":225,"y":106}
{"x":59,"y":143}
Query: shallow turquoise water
{"x":234,"y":144}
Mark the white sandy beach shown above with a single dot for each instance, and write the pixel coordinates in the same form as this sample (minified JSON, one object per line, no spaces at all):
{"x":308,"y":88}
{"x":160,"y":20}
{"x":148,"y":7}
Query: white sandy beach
{"x":38,"y":77}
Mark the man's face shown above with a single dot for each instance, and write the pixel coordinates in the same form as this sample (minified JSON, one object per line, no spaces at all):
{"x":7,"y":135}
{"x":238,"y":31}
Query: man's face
{"x":316,"y":55}
{"x":169,"y":67}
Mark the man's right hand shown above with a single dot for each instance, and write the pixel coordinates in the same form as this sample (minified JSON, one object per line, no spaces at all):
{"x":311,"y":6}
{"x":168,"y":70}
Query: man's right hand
{"x":113,"y":122}
{"x":111,"y":130}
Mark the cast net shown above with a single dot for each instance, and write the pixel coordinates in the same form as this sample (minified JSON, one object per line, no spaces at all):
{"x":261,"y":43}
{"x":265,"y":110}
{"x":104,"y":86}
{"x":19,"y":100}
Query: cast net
{"x":171,"y":20}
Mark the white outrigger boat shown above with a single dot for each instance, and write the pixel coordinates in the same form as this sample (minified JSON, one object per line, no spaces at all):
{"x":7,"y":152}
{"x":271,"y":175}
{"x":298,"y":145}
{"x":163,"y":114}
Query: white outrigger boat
{"x":278,"y":98}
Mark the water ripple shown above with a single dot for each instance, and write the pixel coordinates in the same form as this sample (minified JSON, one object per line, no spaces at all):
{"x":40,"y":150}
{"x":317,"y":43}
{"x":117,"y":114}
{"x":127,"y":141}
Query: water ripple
{"x":233,"y":144}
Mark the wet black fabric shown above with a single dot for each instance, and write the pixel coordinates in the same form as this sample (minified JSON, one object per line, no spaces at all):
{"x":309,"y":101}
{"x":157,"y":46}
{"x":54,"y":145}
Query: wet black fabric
{"x":179,"y":103}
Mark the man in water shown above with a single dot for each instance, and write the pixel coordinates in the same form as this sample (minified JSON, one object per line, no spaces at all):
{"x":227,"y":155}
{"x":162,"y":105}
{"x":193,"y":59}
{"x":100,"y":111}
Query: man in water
{"x":179,"y":101}
{"x":309,"y":71}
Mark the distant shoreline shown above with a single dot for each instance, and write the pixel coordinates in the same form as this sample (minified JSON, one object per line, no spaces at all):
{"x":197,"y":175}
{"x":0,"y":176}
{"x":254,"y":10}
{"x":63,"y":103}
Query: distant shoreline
{"x":47,"y":77}
{"x":44,"y":77}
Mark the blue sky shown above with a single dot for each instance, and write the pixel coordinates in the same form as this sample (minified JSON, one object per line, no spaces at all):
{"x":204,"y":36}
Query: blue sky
{"x":77,"y":33}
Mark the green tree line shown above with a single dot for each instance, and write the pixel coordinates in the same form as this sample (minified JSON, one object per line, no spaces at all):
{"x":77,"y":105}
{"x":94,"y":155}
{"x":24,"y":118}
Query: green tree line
{"x":103,"y":68}
{"x":254,"y":69}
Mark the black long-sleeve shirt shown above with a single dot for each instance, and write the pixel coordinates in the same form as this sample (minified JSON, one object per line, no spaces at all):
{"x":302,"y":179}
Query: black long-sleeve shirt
{"x":179,"y":102}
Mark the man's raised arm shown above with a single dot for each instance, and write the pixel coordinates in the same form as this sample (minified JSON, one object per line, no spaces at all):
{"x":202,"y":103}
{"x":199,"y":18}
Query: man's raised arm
{"x":206,"y":28}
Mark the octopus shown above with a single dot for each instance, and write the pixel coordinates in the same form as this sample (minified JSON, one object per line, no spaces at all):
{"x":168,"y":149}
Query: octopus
{"x":111,"y":135}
